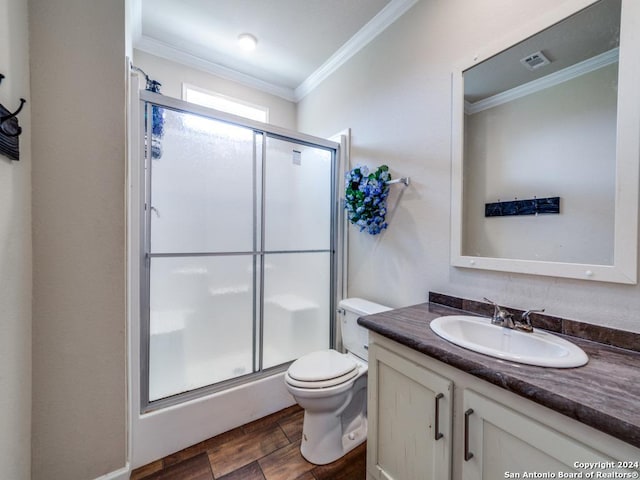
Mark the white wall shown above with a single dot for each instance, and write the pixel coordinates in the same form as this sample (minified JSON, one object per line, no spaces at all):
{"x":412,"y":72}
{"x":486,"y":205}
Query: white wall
{"x":172,"y":75}
{"x":396,"y":97}
{"x":560,"y":141}
{"x":78,"y":73}
{"x":15,"y":253}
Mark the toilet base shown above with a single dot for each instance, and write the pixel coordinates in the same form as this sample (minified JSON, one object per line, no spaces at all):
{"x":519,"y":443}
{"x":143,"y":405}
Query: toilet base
{"x":329,"y":443}
{"x":335,"y":417}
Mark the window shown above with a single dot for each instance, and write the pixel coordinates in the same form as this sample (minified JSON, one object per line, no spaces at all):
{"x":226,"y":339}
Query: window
{"x":223,"y":103}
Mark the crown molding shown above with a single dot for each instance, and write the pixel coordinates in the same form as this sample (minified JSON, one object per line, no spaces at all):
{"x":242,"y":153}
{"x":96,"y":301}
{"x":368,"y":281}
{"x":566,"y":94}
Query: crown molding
{"x":551,"y":80}
{"x":169,"y":52}
{"x":394,"y":10}
{"x":389,"y":14}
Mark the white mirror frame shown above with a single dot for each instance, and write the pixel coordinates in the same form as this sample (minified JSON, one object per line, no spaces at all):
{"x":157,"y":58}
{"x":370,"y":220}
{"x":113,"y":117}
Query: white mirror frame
{"x":624,"y":268}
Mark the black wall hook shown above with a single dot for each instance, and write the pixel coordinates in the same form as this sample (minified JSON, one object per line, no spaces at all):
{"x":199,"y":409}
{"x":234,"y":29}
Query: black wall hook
{"x":532,"y":206}
{"x":12,"y":129}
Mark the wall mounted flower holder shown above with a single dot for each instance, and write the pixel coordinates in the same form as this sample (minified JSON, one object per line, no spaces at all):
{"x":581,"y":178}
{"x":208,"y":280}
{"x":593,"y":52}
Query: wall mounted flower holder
{"x":532,"y":206}
{"x":10,"y":130}
{"x":366,"y":197}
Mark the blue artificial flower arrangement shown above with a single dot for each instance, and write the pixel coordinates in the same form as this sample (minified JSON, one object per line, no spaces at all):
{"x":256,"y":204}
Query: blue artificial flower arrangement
{"x":157,"y":120}
{"x":157,"y":131}
{"x":366,"y":198}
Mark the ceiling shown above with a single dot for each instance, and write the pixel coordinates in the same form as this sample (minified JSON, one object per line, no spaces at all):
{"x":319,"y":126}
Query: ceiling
{"x":298,"y":40}
{"x":580,"y":37}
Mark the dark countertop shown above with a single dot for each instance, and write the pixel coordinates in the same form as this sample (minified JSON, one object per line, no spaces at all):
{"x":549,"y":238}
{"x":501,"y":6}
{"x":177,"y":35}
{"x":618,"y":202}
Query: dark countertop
{"x":604,"y":393}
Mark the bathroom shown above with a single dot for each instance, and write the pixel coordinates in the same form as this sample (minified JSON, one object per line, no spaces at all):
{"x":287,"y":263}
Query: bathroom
{"x":64,"y":224}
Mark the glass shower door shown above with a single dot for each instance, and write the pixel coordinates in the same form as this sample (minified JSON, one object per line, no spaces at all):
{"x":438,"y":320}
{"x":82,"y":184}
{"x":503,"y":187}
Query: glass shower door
{"x":238,"y":255}
{"x":201,"y":260}
{"x":297,"y":245}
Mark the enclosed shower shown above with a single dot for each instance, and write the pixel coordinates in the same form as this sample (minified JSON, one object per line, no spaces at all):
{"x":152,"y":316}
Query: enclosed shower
{"x":238,"y":249}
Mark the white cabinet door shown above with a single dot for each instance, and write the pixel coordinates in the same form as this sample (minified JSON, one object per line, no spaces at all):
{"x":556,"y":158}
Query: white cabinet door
{"x":410,"y":420}
{"x":499,"y":442}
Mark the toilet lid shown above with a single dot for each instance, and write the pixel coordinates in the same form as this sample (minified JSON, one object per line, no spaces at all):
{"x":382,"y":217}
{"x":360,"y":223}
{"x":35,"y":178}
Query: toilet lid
{"x":332,"y":382}
{"x":322,"y":366}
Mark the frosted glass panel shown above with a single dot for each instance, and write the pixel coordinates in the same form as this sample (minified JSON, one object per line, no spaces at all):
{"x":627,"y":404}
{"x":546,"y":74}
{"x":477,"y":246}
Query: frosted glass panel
{"x":298,"y":197}
{"x":296,"y":305}
{"x":219,"y":197}
{"x":202,"y":187}
{"x":201,"y":322}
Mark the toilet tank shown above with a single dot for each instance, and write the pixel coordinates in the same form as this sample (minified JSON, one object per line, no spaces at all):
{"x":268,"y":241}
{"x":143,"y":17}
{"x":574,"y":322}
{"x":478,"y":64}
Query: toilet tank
{"x":355,"y":339}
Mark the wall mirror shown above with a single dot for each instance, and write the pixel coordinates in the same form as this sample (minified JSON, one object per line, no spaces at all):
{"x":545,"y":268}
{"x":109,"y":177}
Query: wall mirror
{"x":546,"y":147}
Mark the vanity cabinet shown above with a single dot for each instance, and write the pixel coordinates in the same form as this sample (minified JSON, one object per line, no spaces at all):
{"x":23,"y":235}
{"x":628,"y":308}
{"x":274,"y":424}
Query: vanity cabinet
{"x":410,"y":419}
{"x":487,"y":432}
{"x":503,"y":443}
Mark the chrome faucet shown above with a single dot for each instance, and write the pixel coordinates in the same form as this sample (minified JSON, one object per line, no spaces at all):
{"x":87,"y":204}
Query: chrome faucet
{"x":504,"y":318}
{"x":501,"y":317}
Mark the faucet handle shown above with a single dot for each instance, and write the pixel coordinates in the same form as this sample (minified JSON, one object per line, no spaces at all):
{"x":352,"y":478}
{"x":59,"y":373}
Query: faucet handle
{"x":525,"y":316}
{"x":496,"y":307}
{"x":525,"y":322}
{"x":498,"y":310}
{"x":500,"y":315}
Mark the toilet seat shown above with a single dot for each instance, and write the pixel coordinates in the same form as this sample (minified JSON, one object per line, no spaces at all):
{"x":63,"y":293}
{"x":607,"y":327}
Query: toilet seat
{"x":322,"y":369}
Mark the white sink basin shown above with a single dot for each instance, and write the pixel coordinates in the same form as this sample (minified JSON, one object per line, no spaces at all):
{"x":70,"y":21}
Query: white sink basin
{"x":538,"y":348}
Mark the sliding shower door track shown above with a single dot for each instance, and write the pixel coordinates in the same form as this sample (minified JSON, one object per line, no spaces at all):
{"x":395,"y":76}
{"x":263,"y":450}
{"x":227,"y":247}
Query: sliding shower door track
{"x":213,"y":388}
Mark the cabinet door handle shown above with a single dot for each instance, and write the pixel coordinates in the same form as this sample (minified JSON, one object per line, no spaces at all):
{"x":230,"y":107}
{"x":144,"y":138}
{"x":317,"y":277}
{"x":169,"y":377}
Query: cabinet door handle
{"x":467,"y":454}
{"x":438,"y":435}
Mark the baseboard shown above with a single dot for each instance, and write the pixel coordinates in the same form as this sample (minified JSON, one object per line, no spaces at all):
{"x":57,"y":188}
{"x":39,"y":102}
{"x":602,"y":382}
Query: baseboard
{"x":120,"y":474}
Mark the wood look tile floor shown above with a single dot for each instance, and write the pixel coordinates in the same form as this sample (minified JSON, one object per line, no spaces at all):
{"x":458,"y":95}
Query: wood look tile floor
{"x":267,"y":449}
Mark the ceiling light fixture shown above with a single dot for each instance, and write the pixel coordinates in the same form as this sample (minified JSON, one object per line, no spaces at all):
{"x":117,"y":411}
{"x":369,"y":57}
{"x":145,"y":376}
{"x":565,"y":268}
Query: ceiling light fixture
{"x":247,"y":42}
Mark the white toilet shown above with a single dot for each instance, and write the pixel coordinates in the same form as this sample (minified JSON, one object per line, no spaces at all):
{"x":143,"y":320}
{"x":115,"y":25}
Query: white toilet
{"x":332,"y":388}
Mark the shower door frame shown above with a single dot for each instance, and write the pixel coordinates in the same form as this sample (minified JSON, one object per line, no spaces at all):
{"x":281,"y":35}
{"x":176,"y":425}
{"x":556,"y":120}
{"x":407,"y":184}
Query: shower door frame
{"x":146,"y":99}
